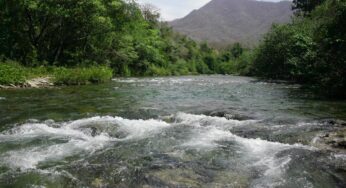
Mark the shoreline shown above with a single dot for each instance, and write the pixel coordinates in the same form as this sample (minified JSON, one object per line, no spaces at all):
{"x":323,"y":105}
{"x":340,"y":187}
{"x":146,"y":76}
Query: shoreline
{"x":38,"y":82}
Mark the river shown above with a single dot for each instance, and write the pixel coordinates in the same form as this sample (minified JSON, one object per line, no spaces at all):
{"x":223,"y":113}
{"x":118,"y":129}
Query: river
{"x":194,"y":131}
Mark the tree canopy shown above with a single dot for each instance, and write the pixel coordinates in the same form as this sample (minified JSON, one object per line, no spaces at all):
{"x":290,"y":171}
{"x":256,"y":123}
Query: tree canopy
{"x":305,"y":6}
{"x":121,"y":34}
{"x":310,"y":50}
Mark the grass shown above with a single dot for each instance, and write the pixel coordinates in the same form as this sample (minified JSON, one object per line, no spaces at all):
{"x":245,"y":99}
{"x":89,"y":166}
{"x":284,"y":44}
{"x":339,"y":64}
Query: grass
{"x":81,"y":76}
{"x":12,"y":73}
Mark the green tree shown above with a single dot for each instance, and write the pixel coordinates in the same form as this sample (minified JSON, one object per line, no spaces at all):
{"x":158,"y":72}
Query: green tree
{"x":305,"y":6}
{"x":310,"y":50}
{"x":120,"y":34}
{"x":236,"y":50}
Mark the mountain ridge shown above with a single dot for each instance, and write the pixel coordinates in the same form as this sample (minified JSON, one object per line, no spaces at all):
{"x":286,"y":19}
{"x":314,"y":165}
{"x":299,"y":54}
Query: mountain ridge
{"x":222,"y":22}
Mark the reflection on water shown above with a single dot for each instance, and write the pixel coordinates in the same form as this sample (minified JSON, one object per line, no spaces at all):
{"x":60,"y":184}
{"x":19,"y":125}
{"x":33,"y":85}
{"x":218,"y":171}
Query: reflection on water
{"x":202,"y":131}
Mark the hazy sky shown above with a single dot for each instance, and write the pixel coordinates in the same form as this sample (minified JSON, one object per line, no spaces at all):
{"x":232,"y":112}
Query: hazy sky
{"x":173,"y":9}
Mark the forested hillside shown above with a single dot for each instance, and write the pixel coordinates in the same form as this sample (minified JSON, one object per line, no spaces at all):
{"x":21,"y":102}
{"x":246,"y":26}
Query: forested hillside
{"x":79,"y":33}
{"x":221,"y":22}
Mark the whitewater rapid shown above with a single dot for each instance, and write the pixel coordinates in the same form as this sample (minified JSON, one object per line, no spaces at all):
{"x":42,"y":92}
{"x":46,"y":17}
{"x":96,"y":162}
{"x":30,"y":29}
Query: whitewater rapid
{"x":73,"y":138}
{"x":56,"y":141}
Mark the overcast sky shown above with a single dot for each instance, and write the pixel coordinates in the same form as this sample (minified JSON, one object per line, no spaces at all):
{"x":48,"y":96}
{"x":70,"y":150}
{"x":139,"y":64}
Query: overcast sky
{"x":173,"y":9}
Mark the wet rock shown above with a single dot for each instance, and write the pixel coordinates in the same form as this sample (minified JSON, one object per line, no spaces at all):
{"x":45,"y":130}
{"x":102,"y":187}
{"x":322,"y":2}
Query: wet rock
{"x":174,"y":178}
{"x":229,"y":114}
{"x":42,"y":82}
{"x":230,"y":179}
{"x":342,"y":144}
{"x":335,"y":139}
{"x":39,"y":82}
{"x":94,"y":131}
{"x":332,"y":123}
{"x":4,"y":87}
{"x":98,"y":183}
{"x":111,"y":131}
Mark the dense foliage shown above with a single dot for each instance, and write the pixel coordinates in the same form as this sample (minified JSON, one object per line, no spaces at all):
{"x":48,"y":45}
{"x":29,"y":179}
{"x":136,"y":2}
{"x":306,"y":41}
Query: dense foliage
{"x":81,"y":76}
{"x":116,"y":33}
{"x":235,"y":60}
{"x":11,"y":73}
{"x":305,"y":6}
{"x":310,"y":50}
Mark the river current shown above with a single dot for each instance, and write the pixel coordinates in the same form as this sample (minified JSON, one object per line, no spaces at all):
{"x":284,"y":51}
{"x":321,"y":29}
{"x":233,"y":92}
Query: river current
{"x":195,"y":131}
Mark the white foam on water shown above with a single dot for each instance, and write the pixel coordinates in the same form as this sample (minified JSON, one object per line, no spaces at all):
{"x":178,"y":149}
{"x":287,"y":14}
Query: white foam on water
{"x":167,"y":80}
{"x":259,"y":146}
{"x":37,"y":186}
{"x":2,"y":98}
{"x":316,"y":139}
{"x":261,"y":154}
{"x":207,"y":139}
{"x":30,"y":158}
{"x":141,"y":128}
{"x":203,"y":120}
{"x":275,"y":167}
{"x":125,"y":80}
{"x":31,"y":130}
{"x":134,"y":128}
{"x":180,"y":80}
{"x":341,"y":156}
{"x":77,"y":136}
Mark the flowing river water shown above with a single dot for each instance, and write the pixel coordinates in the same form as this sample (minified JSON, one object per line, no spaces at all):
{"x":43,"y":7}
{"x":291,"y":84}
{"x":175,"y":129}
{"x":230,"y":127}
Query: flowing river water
{"x":197,"y":131}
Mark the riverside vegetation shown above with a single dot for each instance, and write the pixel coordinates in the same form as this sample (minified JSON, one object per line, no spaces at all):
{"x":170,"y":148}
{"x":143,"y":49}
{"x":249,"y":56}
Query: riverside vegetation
{"x":309,"y":50}
{"x":123,"y":36}
{"x":79,"y":42}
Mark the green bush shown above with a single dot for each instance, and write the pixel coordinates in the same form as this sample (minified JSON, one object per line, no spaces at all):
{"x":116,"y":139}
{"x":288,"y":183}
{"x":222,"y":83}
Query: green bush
{"x":179,"y":68}
{"x":11,"y":73}
{"x":239,"y":64}
{"x":41,"y":71}
{"x":81,"y":76}
{"x":157,"y":71}
{"x":310,"y":50}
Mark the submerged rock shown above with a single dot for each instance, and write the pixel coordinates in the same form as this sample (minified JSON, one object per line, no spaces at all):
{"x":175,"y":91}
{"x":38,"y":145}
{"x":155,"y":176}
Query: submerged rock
{"x":174,"y":178}
{"x":98,"y":183}
{"x":333,"y":140}
{"x":230,"y":114}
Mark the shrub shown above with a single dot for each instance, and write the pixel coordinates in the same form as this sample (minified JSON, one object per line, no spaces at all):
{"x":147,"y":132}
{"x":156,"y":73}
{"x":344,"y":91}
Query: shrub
{"x":157,"y":71}
{"x":81,"y":76}
{"x":34,"y":72}
{"x":11,"y":73}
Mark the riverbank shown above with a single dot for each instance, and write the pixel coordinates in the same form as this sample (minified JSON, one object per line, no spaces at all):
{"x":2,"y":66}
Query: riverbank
{"x":15,"y":76}
{"x":39,"y":82}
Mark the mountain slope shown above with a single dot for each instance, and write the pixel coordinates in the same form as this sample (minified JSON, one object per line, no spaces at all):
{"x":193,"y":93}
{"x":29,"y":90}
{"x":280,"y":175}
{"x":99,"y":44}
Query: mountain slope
{"x":227,"y":21}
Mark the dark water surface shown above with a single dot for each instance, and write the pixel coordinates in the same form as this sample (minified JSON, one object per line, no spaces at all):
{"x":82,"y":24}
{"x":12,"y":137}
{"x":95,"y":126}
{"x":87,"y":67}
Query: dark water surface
{"x":200,"y":131}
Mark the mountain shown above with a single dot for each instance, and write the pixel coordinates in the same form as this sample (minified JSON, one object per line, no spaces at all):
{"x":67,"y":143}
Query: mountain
{"x":222,"y":22}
